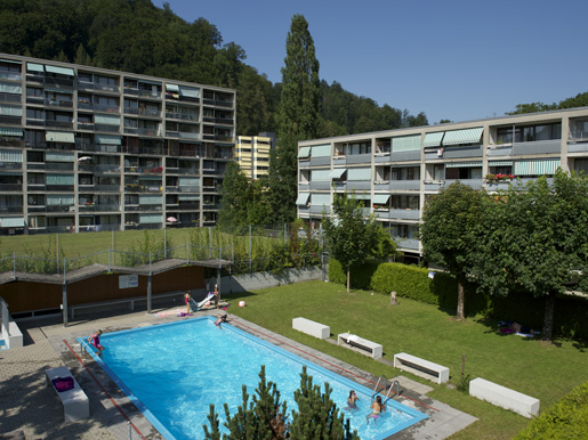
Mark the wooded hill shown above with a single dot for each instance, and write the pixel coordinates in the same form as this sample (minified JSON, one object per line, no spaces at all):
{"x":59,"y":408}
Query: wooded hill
{"x":136,"y":36}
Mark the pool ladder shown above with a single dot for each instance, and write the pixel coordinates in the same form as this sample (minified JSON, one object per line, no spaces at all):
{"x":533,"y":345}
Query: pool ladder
{"x":384,"y":387}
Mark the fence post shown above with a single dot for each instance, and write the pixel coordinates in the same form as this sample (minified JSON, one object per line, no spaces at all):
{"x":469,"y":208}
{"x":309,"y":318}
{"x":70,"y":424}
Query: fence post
{"x":64,"y":296}
{"x":57,"y":251}
{"x":110,"y":255}
{"x":165,"y":243}
{"x":14,"y":265}
{"x":187,"y":253}
{"x":250,"y":255}
{"x":210,"y":242}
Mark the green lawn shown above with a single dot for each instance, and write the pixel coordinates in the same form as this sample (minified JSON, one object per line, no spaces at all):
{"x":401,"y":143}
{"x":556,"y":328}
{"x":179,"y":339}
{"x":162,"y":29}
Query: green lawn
{"x":544,"y":371}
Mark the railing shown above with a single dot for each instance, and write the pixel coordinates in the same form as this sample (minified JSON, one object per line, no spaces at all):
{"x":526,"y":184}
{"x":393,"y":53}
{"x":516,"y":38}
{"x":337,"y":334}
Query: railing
{"x":10,"y":97}
{"x":11,"y":76}
{"x":12,"y":142}
{"x":150,"y":94}
{"x":10,"y":166}
{"x":10,"y":186}
{"x":181,"y":116}
{"x":18,"y":209}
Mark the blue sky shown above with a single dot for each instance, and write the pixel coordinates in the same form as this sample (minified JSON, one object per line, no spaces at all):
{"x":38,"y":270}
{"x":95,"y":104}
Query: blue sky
{"x":452,"y":59}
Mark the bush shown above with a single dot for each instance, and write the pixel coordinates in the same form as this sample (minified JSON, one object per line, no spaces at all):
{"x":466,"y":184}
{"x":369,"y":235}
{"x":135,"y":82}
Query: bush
{"x":567,"y":419}
{"x":361,"y":275}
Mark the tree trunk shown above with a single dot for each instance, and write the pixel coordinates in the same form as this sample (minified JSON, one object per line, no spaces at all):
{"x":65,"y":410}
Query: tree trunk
{"x":547,"y":333}
{"x":348,"y":278}
{"x":460,"y":301}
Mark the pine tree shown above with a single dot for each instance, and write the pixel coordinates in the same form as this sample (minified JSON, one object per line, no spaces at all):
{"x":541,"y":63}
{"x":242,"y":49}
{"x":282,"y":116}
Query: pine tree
{"x":299,"y":117}
{"x":261,"y":419}
{"x":318,"y":416}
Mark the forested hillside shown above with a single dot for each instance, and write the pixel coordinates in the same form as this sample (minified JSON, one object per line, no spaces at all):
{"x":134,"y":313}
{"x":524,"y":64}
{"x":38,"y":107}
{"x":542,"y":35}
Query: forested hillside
{"x":136,"y":36}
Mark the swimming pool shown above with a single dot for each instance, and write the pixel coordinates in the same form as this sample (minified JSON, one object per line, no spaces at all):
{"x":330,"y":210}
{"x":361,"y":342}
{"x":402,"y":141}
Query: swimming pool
{"x":173,"y":372}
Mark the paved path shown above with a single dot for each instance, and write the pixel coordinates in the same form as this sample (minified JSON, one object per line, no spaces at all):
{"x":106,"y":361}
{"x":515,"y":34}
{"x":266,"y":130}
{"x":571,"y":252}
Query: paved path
{"x":27,"y":404}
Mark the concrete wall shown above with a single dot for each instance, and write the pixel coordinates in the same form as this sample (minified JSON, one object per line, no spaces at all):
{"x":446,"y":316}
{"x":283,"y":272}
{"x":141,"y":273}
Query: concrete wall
{"x":261,"y":280}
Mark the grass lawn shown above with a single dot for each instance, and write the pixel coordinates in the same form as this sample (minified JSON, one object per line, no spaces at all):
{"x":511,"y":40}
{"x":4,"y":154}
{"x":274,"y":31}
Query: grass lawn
{"x":546,"y":372}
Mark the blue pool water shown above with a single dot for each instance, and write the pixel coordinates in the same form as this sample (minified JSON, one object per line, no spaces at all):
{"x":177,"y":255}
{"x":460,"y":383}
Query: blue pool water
{"x":173,"y":372}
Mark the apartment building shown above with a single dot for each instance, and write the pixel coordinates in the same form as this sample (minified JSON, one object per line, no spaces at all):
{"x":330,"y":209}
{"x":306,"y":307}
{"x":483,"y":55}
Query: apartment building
{"x":84,"y":148}
{"x":252,"y":153}
{"x":394,"y":172}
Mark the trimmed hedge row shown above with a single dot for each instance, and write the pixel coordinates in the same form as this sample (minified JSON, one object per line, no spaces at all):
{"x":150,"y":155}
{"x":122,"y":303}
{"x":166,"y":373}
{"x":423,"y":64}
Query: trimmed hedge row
{"x":567,"y":419}
{"x":441,"y":290}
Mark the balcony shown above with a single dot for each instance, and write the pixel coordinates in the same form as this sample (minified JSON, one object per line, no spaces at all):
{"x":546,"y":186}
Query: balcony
{"x":537,"y":147}
{"x":10,"y":186}
{"x":9,"y":166}
{"x":11,"y":76}
{"x":407,"y":243}
{"x":101,"y":87}
{"x":107,"y":188}
{"x":10,"y":97}
{"x":405,"y":185}
{"x":11,"y":209}
{"x":12,"y":142}
{"x":356,"y":158}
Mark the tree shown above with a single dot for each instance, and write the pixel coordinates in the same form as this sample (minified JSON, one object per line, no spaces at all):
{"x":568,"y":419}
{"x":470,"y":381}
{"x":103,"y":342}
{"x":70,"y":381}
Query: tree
{"x":536,"y":241}
{"x":243,"y":201}
{"x":318,"y":416}
{"x":299,"y":117}
{"x":450,"y":232}
{"x":265,"y":416}
{"x":351,"y":238}
{"x":262,"y":418}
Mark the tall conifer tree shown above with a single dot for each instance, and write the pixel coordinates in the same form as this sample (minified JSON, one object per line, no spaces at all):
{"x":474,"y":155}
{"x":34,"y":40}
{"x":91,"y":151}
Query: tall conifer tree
{"x":298,"y":118}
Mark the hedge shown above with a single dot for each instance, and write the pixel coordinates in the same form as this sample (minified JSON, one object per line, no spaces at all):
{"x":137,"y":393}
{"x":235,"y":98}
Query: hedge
{"x":415,"y":283}
{"x":567,"y":419}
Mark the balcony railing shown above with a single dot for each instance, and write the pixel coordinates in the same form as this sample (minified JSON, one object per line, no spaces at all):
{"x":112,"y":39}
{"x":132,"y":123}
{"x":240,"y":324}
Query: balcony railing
{"x":13,"y":209}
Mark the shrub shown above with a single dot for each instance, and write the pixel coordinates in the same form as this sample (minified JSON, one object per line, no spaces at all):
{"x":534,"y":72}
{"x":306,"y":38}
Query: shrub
{"x":567,"y":419}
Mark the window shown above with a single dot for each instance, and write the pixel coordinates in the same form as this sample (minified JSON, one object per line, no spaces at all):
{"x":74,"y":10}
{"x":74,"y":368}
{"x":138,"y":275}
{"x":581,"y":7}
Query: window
{"x":540,"y":132}
{"x":463,"y":173}
{"x":410,"y":173}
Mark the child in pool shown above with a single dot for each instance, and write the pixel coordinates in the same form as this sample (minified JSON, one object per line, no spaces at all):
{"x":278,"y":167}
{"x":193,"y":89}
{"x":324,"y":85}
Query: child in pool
{"x":95,"y":341}
{"x":351,"y":400}
{"x":377,"y":408}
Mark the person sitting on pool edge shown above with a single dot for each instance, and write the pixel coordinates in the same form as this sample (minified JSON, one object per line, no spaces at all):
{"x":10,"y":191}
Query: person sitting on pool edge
{"x":377,"y":408}
{"x":222,"y":319}
{"x":351,"y":400}
{"x":188,"y":300}
{"x":95,"y":341}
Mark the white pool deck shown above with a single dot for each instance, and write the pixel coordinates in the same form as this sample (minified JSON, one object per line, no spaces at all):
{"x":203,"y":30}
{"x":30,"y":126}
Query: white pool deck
{"x":28,"y":405}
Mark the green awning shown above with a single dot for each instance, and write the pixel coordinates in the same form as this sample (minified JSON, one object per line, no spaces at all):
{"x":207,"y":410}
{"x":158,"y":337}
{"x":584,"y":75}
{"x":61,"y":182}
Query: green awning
{"x":406,"y":143}
{"x":304,"y":152}
{"x":172,"y":88}
{"x":337,"y":173}
{"x":463,"y":165}
{"x":9,"y":131}
{"x":469,"y":136}
{"x":320,"y":199}
{"x":500,"y":163}
{"x":60,"y":200}
{"x":59,"y":136}
{"x":150,"y":200}
{"x":190,"y":92}
{"x":362,"y":196}
{"x":359,"y":174}
{"x":32,"y":67}
{"x":59,"y":179}
{"x":319,"y":175}
{"x":302,"y":198}
{"x":189,"y":181}
{"x":536,"y":167}
{"x":188,"y":198}
{"x":107,"y":120}
{"x":11,"y":156}
{"x":321,"y":151}
{"x":8,"y":222}
{"x":107,"y":140}
{"x":60,"y":70}
{"x":59,"y":157}
{"x":150,"y":218}
{"x":381,"y":199}
{"x":10,"y":110}
{"x":6,"y":60}
{"x":433,"y":139}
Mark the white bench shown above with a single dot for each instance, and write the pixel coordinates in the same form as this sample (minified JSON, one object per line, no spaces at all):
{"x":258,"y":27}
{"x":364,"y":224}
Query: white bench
{"x":421,"y":367}
{"x":311,"y":328}
{"x":504,"y":397}
{"x":76,"y":405}
{"x":355,"y":341}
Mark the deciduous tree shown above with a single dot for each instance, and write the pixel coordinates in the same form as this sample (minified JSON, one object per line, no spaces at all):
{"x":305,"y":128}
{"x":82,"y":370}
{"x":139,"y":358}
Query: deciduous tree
{"x":351,"y":237}
{"x":450,"y":233}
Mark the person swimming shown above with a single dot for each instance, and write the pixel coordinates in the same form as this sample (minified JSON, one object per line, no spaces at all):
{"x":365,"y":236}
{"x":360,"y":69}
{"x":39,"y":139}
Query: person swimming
{"x":222,"y":319}
{"x":377,"y":408}
{"x":351,"y":400}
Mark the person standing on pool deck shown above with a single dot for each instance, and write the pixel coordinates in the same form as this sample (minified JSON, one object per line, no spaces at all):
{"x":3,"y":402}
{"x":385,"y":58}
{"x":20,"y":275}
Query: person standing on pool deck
{"x":188,"y":300}
{"x":95,"y":341}
{"x":216,"y":295}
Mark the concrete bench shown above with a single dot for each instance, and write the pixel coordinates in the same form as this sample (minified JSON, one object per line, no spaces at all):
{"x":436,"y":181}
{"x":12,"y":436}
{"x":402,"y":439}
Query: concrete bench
{"x":421,"y":367}
{"x":131,"y":302}
{"x":355,"y":341}
{"x":504,"y":397}
{"x":311,"y":328}
{"x":76,"y":405}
